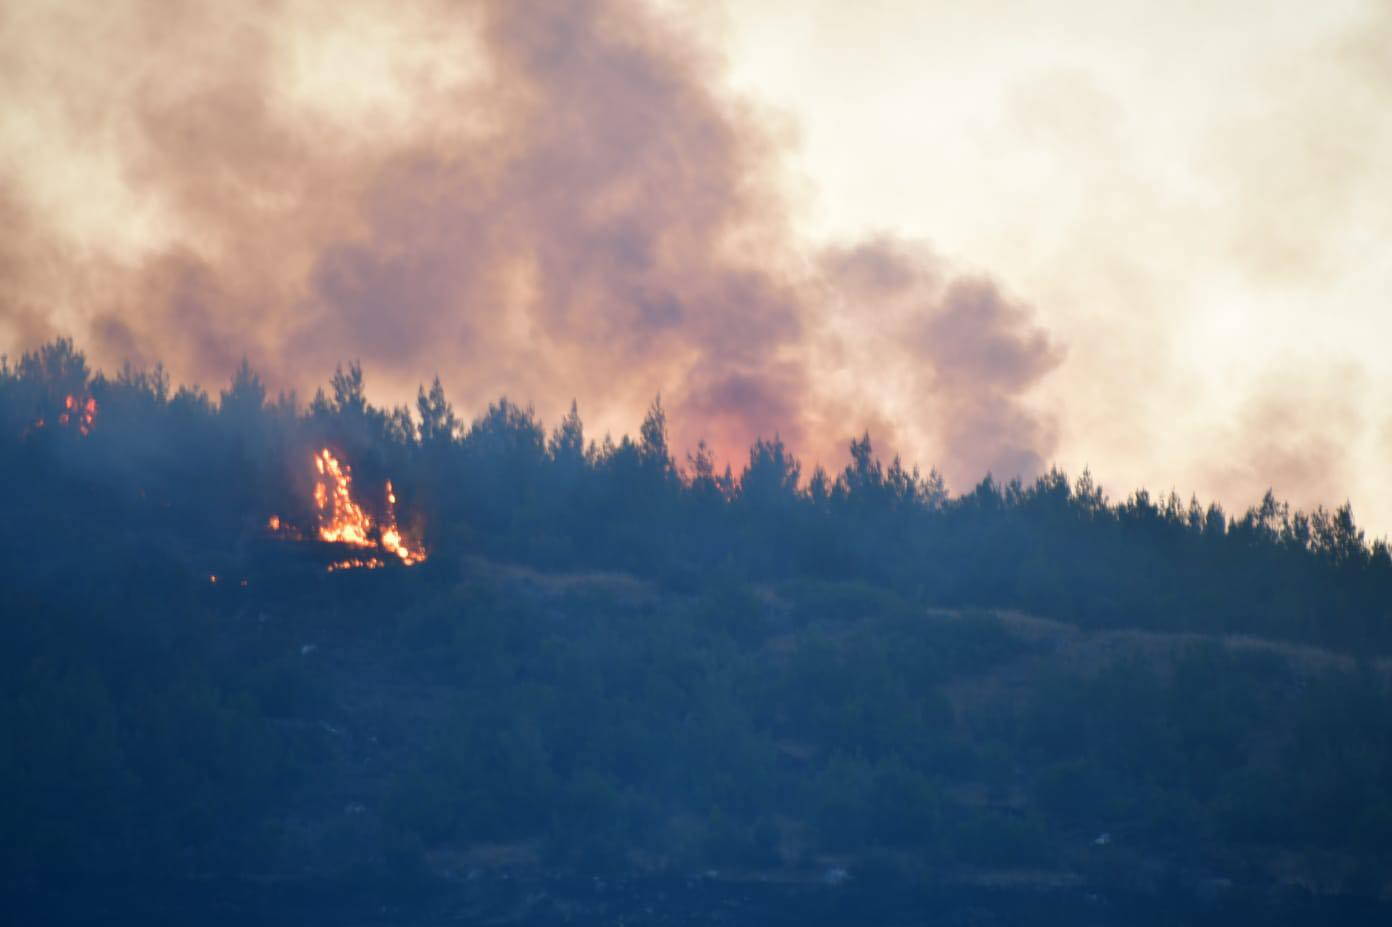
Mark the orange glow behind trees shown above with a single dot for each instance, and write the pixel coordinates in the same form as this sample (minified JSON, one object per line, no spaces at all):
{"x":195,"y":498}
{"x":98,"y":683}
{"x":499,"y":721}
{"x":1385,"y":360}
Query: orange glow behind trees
{"x":79,"y":411}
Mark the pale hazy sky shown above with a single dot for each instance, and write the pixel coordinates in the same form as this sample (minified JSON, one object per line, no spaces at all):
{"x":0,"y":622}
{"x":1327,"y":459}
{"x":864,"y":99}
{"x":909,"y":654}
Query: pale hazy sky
{"x":1183,"y":213}
{"x":1196,"y":199}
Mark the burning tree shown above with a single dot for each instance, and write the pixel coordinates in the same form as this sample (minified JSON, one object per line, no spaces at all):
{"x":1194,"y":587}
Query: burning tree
{"x":342,"y":520}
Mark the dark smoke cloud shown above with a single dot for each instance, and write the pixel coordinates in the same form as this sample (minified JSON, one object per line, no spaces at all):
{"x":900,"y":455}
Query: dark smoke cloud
{"x":984,"y":357}
{"x":587,"y":215}
{"x":1295,"y":436}
{"x":21,"y":257}
{"x":970,"y":355}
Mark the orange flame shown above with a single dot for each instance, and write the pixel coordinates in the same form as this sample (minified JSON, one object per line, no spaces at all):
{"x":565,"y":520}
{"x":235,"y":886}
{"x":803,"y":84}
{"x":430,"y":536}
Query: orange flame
{"x":77,"y":410}
{"x":343,"y":521}
{"x":81,"y":410}
{"x":392,"y":540}
{"x":283,"y":529}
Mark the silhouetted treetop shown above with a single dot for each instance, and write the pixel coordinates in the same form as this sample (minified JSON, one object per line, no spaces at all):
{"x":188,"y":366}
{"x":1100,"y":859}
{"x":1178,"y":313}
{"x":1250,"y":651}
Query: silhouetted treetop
{"x":501,"y":487}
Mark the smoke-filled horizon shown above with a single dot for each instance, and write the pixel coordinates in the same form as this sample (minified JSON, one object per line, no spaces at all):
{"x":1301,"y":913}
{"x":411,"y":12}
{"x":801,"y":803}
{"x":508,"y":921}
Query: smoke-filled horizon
{"x":548,"y":201}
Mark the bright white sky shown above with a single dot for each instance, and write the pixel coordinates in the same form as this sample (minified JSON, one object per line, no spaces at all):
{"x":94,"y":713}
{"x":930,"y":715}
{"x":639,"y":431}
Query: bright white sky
{"x":1194,"y":197}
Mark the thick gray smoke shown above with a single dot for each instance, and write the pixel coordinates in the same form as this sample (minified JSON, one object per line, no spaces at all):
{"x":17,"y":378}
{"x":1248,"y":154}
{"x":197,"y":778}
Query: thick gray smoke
{"x":566,"y":204}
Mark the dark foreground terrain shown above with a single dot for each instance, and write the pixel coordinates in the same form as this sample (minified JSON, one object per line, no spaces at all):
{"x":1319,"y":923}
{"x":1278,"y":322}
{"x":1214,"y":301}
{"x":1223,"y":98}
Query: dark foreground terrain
{"x":539,"y":748}
{"x":658,"y":900}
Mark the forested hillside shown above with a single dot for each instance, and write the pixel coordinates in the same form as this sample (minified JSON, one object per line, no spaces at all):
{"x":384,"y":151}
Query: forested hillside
{"x":484,"y":647}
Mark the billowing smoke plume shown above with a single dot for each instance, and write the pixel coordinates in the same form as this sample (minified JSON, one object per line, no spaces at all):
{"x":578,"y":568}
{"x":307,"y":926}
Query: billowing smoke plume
{"x":552,"y":199}
{"x":1294,"y":435}
{"x":959,"y":351}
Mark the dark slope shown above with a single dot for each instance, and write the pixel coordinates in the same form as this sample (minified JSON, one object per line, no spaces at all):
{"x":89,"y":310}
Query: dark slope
{"x":704,"y":693}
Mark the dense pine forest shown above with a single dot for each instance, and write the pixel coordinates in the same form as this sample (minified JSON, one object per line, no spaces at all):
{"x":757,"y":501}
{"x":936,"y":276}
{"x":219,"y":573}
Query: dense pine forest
{"x":248,"y":637}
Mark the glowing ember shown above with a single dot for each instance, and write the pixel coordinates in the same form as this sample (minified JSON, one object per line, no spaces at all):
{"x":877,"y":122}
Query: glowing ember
{"x":79,"y":410}
{"x":355,"y":563}
{"x":283,"y":529}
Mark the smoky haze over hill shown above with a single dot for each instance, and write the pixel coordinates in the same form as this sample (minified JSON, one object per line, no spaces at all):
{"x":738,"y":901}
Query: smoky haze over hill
{"x":505,"y":485}
{"x":556,"y":200}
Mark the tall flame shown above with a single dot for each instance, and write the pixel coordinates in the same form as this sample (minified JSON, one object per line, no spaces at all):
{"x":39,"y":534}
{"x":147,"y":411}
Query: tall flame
{"x":343,"y":521}
{"x":392,"y":540}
